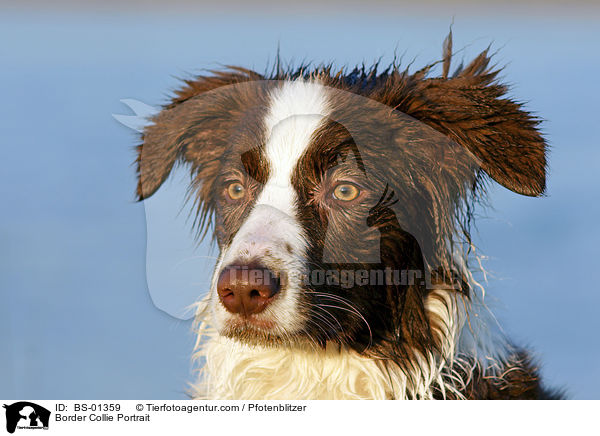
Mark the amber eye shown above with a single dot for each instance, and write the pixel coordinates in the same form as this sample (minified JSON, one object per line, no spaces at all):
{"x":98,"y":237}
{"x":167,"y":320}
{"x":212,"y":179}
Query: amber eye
{"x":236,"y":191}
{"x":346,"y":192}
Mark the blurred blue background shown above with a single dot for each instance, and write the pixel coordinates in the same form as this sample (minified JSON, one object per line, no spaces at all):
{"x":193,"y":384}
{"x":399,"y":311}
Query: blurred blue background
{"x":76,"y":319}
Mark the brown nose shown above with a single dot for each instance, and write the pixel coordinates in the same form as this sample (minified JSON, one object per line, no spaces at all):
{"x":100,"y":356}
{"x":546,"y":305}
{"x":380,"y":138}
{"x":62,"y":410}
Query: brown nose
{"x":247,"y":289}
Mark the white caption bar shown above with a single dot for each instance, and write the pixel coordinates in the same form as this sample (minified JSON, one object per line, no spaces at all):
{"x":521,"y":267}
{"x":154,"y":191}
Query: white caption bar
{"x":298,"y":417}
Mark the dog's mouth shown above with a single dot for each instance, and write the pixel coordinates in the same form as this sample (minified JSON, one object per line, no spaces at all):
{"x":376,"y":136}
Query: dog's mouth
{"x":264,"y":331}
{"x":250,"y":323}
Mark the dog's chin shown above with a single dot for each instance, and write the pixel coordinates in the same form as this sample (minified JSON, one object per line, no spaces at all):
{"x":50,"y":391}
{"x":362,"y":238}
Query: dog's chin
{"x":262,"y":332}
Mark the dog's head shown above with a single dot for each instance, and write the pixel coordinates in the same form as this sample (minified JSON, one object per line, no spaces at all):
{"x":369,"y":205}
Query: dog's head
{"x":336,"y":199}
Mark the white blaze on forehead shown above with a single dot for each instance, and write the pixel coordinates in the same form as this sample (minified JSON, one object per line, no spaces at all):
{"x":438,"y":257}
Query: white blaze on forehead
{"x":296,"y":110}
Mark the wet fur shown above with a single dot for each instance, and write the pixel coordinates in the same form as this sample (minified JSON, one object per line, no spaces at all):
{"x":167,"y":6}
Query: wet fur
{"x":423,"y":344}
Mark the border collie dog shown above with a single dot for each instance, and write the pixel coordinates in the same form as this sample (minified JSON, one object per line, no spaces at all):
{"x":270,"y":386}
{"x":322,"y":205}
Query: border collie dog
{"x":340,"y":202}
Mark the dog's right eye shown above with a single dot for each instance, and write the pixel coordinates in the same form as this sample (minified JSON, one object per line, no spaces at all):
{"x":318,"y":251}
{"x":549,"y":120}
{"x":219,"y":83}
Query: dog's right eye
{"x":346,"y":192}
{"x":236,"y":191}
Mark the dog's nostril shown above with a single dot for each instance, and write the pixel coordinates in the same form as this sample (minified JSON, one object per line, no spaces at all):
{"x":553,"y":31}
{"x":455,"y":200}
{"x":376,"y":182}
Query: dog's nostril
{"x":227,"y":293}
{"x":247,"y":289}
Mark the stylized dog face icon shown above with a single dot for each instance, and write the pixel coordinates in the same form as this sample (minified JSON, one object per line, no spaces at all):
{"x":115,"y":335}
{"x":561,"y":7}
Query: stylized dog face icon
{"x":28,"y":414}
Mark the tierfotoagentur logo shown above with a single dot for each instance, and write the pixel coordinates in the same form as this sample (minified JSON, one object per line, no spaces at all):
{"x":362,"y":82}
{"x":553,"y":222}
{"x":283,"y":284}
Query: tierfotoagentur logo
{"x":348,"y":278}
{"x":26,"y":415}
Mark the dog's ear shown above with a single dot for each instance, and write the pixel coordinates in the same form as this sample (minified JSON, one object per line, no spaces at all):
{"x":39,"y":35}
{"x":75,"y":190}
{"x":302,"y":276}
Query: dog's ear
{"x":191,"y":129}
{"x":470,"y":108}
{"x":162,"y":145}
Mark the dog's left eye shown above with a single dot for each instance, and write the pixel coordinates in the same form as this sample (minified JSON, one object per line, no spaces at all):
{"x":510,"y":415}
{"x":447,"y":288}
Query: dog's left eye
{"x":346,"y":192}
{"x":236,"y":191}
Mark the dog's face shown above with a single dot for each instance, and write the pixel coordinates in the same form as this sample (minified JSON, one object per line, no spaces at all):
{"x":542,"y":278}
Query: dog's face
{"x":330,"y":208}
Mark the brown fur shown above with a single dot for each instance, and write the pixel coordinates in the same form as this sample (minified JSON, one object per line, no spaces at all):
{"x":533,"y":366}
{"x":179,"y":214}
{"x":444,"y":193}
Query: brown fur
{"x":517,"y":379}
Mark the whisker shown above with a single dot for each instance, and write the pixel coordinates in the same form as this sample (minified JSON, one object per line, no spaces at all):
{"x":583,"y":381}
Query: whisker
{"x":351,"y":308}
{"x":356,"y":313}
{"x":320,"y":327}
{"x":325,"y":319}
{"x":340,"y":299}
